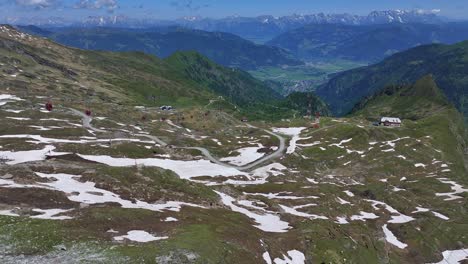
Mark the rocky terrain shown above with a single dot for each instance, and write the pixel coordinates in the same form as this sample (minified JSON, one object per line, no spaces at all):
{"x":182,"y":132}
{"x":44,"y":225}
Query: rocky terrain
{"x":131,"y":183}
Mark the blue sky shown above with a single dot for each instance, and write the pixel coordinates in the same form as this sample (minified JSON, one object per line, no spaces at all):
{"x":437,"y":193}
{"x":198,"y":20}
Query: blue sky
{"x":167,"y":9}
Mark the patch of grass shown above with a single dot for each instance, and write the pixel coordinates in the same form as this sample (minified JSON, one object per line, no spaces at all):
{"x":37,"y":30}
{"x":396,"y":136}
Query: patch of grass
{"x":216,"y":236}
{"x":270,"y":187}
{"x":114,"y":149}
{"x":150,"y":183}
{"x":330,"y":243}
{"x":329,"y":154}
{"x":29,"y":236}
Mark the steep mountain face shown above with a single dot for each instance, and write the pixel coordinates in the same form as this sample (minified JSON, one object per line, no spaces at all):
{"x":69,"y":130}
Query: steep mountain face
{"x":185,"y":78}
{"x":415,"y":101}
{"x":259,"y":29}
{"x":423,"y":103}
{"x":448,"y":65}
{"x":287,"y":88}
{"x":223,"y":48}
{"x":236,"y":85}
{"x":366,"y":43}
{"x":305,"y":103}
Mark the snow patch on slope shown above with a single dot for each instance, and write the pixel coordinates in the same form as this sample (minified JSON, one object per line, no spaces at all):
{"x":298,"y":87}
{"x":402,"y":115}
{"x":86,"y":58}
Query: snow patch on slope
{"x":266,"y":222}
{"x":392,"y":239}
{"x":246,"y":156}
{"x":139,"y":236}
{"x":294,"y":132}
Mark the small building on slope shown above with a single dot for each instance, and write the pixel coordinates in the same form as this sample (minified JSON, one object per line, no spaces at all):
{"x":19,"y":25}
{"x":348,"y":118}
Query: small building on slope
{"x":390,"y":121}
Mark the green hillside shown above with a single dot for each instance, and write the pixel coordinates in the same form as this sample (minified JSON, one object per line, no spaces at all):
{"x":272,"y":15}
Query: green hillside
{"x":236,"y":85}
{"x":414,"y":102}
{"x":131,"y":76}
{"x":133,"y":183}
{"x":448,"y":64}
{"x":223,"y":48}
{"x":424,"y":109}
{"x":302,"y":100}
{"x":185,"y":79}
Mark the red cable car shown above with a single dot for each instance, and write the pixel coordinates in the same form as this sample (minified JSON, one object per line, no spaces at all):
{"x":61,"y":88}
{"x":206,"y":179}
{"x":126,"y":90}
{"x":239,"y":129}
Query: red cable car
{"x":49,"y":106}
{"x":88,"y":112}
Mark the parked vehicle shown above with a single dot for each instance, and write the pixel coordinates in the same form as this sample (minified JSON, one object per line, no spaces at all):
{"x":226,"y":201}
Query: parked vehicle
{"x":166,"y":108}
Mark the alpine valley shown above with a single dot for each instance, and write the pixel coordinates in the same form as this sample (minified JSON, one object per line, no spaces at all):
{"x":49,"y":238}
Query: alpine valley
{"x":297,"y":139}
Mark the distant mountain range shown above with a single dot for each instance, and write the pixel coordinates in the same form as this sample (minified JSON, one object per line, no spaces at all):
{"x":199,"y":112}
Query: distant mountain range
{"x":261,"y":28}
{"x":448,"y":65}
{"x":223,"y":48}
{"x":184,"y":79}
{"x":366,"y":42}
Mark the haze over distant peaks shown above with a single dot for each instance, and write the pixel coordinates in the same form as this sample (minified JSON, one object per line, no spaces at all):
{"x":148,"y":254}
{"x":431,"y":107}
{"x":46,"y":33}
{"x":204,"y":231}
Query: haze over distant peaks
{"x":259,"y":29}
{"x":386,"y":16}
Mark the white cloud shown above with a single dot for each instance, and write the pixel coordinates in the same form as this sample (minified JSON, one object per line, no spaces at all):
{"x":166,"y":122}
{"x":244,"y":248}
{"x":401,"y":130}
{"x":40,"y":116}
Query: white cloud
{"x":37,"y":3}
{"x":110,"y":5}
{"x":426,"y":11}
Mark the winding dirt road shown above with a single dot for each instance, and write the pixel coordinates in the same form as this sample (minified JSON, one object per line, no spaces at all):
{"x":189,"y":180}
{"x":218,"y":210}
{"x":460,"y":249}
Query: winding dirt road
{"x":277,"y":154}
{"x":87,"y":121}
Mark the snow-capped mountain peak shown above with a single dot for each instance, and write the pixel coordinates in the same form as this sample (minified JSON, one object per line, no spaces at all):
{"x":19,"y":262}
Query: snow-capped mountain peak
{"x":223,"y":24}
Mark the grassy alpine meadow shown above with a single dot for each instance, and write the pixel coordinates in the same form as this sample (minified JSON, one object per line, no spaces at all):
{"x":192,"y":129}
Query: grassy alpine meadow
{"x":182,"y":160}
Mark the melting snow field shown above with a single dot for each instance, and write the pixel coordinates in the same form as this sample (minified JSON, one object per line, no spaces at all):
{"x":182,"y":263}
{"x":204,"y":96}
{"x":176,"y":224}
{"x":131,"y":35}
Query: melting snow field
{"x":392,"y":239}
{"x":246,"y":156}
{"x":341,"y":220}
{"x":6,"y":98}
{"x":258,"y":211}
{"x":185,"y":169}
{"x":139,"y":236}
{"x":293,"y":257}
{"x":282,"y":196}
{"x":436,"y":214}
{"x":293,"y":211}
{"x":340,"y":145}
{"x":258,"y":176}
{"x":8,"y":213}
{"x":86,"y":192}
{"x":454,"y":256}
{"x":397,"y":217}
{"x":441,"y":216}
{"x":13,"y":111}
{"x":294,"y":132}
{"x":37,"y":139}
{"x":273,"y":169}
{"x":51,"y":214}
{"x":456,"y":188}
{"x":18,"y":118}
{"x":266,"y":222}
{"x":362,"y":216}
{"x":29,"y":155}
